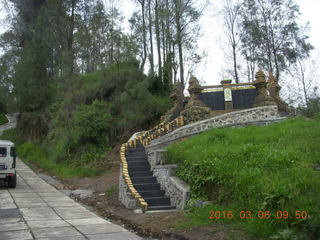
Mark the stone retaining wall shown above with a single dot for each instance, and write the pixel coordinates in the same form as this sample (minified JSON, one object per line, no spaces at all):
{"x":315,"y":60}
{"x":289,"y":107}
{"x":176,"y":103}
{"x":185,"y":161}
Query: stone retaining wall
{"x":176,"y":189}
{"x":258,"y":116}
{"x":125,"y":196}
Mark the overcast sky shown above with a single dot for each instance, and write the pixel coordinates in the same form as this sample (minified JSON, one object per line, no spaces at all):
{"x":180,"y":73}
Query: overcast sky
{"x":212,"y":41}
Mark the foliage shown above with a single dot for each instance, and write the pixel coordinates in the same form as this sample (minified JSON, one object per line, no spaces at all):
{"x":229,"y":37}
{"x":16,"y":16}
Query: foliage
{"x":91,"y":124}
{"x":271,"y":38}
{"x":3,"y":118}
{"x":312,"y":109}
{"x":99,"y":108}
{"x":36,"y":154}
{"x":256,"y":169}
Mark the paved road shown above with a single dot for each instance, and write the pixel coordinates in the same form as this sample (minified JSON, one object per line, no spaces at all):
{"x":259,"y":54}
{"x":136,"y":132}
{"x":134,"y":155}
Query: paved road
{"x":36,"y":210}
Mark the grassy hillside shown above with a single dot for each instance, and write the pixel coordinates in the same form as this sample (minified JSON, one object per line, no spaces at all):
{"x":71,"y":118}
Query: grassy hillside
{"x":265,"y":176}
{"x":3,"y":118}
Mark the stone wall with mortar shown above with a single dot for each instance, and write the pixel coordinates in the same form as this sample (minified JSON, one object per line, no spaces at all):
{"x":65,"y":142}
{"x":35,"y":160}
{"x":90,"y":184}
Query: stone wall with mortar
{"x":176,"y":189}
{"x":125,"y":196}
{"x":258,"y":116}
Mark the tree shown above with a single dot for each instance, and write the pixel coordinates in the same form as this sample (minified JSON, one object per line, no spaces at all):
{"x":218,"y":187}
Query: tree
{"x":144,"y":33}
{"x":304,"y":84}
{"x":231,"y":14}
{"x":186,"y":16}
{"x":277,"y":38}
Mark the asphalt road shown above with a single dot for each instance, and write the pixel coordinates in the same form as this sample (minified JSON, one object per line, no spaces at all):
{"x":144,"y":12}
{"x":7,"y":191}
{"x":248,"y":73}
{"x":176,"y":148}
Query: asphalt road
{"x":37,"y":210}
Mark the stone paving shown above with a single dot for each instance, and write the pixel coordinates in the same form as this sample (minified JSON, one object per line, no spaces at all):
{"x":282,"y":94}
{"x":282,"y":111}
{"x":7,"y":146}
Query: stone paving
{"x":36,"y":210}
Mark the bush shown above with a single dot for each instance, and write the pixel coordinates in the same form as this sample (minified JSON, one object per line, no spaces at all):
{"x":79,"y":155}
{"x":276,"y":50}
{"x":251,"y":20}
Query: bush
{"x":3,"y":118}
{"x":312,"y":109}
{"x":91,"y":124}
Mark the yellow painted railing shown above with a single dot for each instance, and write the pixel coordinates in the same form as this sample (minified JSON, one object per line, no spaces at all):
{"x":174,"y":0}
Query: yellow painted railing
{"x":145,"y":139}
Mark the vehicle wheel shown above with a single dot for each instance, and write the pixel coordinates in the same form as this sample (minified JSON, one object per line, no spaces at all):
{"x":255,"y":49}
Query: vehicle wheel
{"x":12,"y":181}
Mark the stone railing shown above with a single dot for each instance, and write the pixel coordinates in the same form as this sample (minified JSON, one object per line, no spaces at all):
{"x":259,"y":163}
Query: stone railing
{"x":128,"y":195}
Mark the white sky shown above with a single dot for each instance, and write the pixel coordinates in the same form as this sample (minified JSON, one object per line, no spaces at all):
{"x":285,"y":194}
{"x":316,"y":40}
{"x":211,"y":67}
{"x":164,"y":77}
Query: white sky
{"x":210,"y":70}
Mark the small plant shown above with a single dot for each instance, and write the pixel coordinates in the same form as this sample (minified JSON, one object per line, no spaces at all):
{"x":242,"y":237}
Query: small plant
{"x":111,"y":191}
{"x":285,"y":234}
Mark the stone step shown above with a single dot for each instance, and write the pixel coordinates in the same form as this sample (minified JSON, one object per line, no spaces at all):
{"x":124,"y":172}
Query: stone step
{"x":139,"y":180}
{"x":140,"y":174}
{"x":139,"y":164}
{"x":138,"y":168}
{"x":136,"y":150}
{"x":147,"y":186}
{"x":156,"y":208}
{"x":158,"y":201}
{"x":132,"y":159}
{"x":154,"y":193}
{"x":135,"y":154}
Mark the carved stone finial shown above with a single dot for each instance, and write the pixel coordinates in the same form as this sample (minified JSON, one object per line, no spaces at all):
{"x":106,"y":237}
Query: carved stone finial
{"x":194,"y":87}
{"x":261,"y":85}
{"x":274,"y":90}
{"x":194,"y":90}
{"x":273,"y":86}
{"x":260,"y":76}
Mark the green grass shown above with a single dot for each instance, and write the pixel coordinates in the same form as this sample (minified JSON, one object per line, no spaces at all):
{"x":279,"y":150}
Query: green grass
{"x":3,"y":118}
{"x":255,"y":169}
{"x":37,"y":154}
{"x":111,"y":191}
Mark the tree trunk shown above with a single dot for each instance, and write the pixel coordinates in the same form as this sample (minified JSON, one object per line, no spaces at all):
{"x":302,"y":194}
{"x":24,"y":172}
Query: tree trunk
{"x":151,"y":39}
{"x":158,"y":41}
{"x":70,"y":37}
{"x":235,"y":62}
{"x":144,"y":34}
{"x":303,"y":81}
{"x":179,"y":39}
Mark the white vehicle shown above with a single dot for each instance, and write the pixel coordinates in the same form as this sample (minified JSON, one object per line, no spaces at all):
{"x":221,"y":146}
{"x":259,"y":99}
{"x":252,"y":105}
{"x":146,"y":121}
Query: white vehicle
{"x":8,"y":163}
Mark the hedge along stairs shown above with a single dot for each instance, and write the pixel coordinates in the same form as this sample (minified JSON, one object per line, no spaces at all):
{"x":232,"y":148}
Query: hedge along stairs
{"x":136,"y":172}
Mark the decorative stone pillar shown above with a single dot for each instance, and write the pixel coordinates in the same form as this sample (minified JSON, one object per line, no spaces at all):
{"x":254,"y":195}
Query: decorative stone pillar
{"x":226,"y":84}
{"x":194,"y":89}
{"x":263,"y":99}
{"x":195,"y":110}
{"x":274,"y":91}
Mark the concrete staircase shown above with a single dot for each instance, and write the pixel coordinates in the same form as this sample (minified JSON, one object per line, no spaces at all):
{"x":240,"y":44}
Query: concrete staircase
{"x":143,"y":180}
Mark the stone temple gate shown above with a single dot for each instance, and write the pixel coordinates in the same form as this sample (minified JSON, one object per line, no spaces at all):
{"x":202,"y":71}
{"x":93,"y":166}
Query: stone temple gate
{"x":209,"y":101}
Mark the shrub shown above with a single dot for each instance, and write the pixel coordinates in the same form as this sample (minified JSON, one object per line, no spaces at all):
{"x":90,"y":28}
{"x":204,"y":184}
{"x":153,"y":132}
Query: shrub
{"x":91,"y":124}
{"x":3,"y":118}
